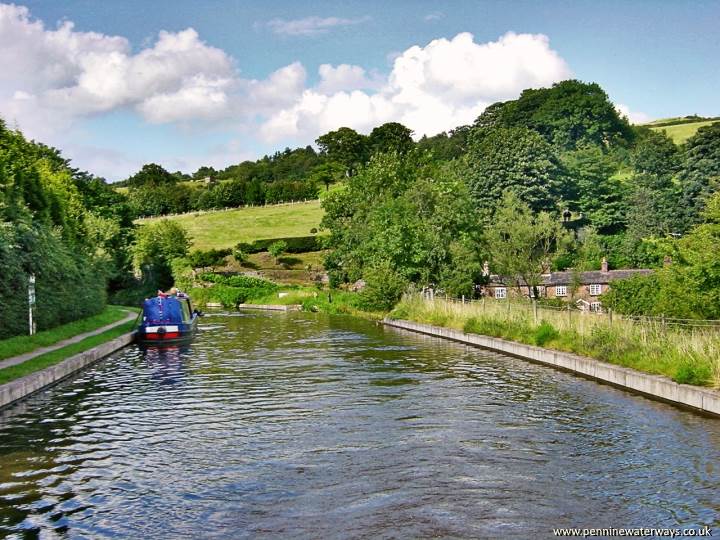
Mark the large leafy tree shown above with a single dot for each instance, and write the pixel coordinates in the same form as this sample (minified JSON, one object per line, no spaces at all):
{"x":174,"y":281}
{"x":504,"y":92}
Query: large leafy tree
{"x":523,"y":243}
{"x":592,"y":188}
{"x":345,"y":146}
{"x":151,"y":174}
{"x":155,"y":247}
{"x":513,"y":159}
{"x":401,"y":212}
{"x":569,"y":114}
{"x":700,"y":173}
{"x":390,"y":137}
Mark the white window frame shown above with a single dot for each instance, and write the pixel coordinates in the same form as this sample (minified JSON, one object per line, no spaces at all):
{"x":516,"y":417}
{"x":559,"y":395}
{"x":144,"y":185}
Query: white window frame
{"x":500,"y":292}
{"x":596,"y":307}
{"x":561,"y":290}
{"x":595,"y":289}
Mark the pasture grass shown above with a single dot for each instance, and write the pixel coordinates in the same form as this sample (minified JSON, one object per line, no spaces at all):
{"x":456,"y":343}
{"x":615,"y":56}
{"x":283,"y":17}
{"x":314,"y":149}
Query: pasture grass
{"x":680,"y":133}
{"x":691,"y":357}
{"x":226,"y":228}
{"x":17,"y":345}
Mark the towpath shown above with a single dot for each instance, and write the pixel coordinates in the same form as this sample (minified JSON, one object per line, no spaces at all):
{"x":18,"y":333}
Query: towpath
{"x":19,"y":359}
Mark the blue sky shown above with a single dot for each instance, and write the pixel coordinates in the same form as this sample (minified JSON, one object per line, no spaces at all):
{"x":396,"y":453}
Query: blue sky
{"x":91,"y":91}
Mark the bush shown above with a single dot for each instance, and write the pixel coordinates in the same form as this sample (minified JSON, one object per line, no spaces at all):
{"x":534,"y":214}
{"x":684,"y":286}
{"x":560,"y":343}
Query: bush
{"x":210,"y":257}
{"x":384,"y":287}
{"x":277,"y":248}
{"x":233,"y":290}
{"x":297,"y":244}
{"x":544,"y":333}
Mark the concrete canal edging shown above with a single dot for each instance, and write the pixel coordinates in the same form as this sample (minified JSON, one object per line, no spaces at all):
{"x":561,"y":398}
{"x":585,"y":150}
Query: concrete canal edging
{"x":34,"y":382}
{"x":271,"y":307}
{"x":655,"y":386}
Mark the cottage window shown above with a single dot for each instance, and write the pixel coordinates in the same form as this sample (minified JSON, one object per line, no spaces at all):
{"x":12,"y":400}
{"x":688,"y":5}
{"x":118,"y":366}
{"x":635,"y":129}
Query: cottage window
{"x":500,"y":292}
{"x":595,"y":289}
{"x":561,"y":290}
{"x":595,"y":306}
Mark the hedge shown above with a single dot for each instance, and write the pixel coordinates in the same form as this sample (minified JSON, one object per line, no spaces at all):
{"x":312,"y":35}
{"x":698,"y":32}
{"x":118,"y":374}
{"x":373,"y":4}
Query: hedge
{"x":295,"y":244}
{"x":69,"y":285}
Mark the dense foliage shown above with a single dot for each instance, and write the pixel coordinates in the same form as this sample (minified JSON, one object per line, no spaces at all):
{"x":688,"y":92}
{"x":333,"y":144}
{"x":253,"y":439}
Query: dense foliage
{"x":65,"y":227}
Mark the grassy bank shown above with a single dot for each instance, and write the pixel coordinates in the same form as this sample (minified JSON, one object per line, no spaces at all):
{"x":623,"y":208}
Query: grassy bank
{"x":680,"y":133}
{"x":226,"y":228}
{"x":23,"y":344}
{"x":55,"y":357}
{"x":684,"y":356}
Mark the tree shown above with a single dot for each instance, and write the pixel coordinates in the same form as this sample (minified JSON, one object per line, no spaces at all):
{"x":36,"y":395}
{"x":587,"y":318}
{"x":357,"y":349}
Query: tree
{"x":151,"y":174}
{"x":513,"y":159}
{"x":390,"y":137}
{"x":156,"y":245}
{"x":521,"y":243}
{"x":655,"y":153}
{"x":277,"y":248}
{"x":592,"y":188}
{"x":568,"y":115}
{"x":327,"y":173}
{"x":700,"y":173}
{"x":345,"y":146}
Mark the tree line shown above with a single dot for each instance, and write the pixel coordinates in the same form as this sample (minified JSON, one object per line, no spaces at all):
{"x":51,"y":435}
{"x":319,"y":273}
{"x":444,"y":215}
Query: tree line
{"x":554,"y":179}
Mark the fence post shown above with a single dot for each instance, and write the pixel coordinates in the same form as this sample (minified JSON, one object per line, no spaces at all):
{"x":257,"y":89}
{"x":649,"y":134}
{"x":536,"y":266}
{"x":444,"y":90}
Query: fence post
{"x":535,"y":311}
{"x":463,"y":299}
{"x":610,"y":316}
{"x":569,"y":316}
{"x":31,"y":303}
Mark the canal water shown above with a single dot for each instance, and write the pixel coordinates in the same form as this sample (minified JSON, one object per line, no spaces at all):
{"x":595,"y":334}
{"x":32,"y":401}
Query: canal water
{"x":274,"y":425}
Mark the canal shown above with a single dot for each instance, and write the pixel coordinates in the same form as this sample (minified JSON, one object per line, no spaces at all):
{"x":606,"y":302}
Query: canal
{"x":307,"y":426}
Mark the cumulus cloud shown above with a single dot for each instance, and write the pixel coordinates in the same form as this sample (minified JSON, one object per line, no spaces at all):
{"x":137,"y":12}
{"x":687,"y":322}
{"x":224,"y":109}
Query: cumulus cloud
{"x":430,"y":89}
{"x":66,"y":74}
{"x":634,"y":117}
{"x":310,"y":26}
{"x":52,"y":77}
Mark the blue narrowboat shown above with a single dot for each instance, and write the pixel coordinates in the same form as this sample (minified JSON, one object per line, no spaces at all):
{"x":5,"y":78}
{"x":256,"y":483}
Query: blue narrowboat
{"x":167,"y":319}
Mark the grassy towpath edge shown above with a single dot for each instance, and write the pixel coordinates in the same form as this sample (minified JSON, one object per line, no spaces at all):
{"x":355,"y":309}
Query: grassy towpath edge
{"x":18,"y":345}
{"x":54,"y":357}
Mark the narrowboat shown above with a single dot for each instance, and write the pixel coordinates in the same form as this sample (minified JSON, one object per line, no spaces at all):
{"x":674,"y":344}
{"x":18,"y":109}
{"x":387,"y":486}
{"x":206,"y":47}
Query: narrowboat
{"x":167,"y":319}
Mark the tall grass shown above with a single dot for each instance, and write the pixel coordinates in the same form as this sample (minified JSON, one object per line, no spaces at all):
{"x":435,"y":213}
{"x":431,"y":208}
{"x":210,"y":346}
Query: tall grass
{"x":684,"y":355}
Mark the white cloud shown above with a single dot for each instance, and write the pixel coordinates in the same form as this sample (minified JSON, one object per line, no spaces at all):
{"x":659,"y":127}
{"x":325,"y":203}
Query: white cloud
{"x":53,"y":77}
{"x":65,"y":74}
{"x":346,"y":77}
{"x":434,"y":16}
{"x":311,"y":26}
{"x":430,"y":89}
{"x":634,"y":117}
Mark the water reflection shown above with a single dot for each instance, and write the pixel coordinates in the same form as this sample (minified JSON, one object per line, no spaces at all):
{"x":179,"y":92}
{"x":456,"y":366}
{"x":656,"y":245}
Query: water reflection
{"x":297,"y":425}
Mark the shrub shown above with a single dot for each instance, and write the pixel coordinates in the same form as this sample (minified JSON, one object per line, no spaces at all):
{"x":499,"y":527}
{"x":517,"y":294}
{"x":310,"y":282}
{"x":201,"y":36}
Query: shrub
{"x":210,"y":257}
{"x":239,"y":255}
{"x":277,"y":248}
{"x":384,"y":287}
{"x":296,"y":244}
{"x":544,"y":333}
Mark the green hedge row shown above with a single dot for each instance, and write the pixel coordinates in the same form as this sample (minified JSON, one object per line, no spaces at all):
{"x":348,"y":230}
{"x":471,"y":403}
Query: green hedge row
{"x":295,"y":244}
{"x":69,"y":286}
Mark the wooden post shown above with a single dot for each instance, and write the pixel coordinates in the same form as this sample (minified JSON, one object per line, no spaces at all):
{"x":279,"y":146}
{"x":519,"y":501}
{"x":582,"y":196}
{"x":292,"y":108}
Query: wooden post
{"x":610,"y":316}
{"x":569,"y":316}
{"x":535,"y":311}
{"x":463,"y":299}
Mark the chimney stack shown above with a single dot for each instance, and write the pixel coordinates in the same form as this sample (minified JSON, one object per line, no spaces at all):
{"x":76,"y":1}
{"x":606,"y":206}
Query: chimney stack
{"x":604,"y":265}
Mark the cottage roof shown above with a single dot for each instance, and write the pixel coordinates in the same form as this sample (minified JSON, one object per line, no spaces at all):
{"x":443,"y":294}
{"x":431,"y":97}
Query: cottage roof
{"x":584,"y":278}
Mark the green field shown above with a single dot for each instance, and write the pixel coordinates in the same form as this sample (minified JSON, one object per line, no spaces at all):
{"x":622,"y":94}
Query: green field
{"x":224,"y":229}
{"x":679,"y":133}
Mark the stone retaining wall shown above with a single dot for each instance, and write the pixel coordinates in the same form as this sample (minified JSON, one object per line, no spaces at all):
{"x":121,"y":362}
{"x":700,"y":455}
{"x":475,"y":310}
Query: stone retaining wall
{"x":29,"y":384}
{"x":656,"y":386}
